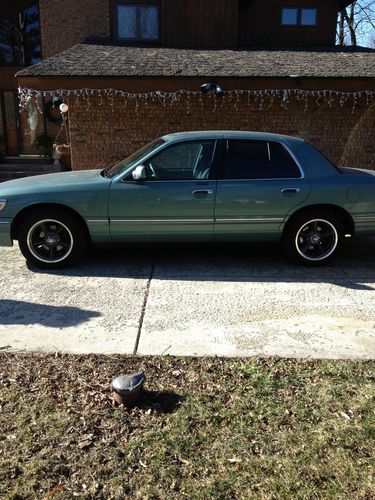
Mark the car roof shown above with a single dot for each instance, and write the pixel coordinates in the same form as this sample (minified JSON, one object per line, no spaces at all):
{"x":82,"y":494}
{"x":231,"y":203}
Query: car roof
{"x":228,"y":134}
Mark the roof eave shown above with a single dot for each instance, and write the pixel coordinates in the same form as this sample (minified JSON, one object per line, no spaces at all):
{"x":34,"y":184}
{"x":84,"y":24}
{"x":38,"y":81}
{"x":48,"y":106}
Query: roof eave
{"x":142,"y":84}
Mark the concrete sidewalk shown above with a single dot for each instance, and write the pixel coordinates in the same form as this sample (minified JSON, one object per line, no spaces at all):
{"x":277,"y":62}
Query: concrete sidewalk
{"x":233,"y":300}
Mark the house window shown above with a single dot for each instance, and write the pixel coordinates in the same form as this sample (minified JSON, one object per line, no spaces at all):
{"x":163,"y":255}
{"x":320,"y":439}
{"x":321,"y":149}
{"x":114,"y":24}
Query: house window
{"x":289,"y":17}
{"x":20,"y":37}
{"x":298,"y":17}
{"x":137,"y":22}
{"x":308,"y":17}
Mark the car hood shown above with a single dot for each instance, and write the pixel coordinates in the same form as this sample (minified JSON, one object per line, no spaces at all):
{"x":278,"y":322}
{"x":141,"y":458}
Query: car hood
{"x":47,"y":182}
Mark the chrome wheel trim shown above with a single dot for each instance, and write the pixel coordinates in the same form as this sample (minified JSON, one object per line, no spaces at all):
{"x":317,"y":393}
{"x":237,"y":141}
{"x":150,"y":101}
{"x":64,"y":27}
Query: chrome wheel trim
{"x":309,"y":240}
{"x":50,"y":241}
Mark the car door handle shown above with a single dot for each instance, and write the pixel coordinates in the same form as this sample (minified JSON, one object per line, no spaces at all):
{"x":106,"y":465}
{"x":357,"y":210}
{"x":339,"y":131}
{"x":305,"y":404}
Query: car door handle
{"x":290,"y":190}
{"x":203,"y":192}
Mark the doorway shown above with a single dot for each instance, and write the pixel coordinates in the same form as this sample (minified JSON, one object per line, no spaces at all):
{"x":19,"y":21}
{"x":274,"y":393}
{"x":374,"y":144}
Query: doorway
{"x":22,"y":132}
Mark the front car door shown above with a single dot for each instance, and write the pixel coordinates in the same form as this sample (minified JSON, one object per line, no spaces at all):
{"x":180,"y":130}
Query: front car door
{"x":176,"y":200}
{"x":261,"y":182}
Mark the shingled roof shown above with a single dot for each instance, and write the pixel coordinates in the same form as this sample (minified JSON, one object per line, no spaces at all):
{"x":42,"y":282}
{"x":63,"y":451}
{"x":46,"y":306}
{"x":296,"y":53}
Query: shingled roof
{"x":114,"y":61}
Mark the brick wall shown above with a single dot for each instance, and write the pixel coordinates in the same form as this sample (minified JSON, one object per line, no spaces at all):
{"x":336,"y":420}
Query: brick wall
{"x":102,"y":134}
{"x":65,"y":23}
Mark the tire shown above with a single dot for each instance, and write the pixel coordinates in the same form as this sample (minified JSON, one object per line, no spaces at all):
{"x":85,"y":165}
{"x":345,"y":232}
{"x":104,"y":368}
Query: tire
{"x":51,"y":239}
{"x":313,"y":238}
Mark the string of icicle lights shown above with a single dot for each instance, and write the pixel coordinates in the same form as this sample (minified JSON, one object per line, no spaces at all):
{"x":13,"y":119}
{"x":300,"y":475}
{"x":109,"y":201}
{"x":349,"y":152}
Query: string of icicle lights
{"x":263,"y":98}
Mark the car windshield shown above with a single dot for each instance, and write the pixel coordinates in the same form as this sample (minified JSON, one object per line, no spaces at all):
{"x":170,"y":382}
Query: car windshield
{"x":134,"y":158}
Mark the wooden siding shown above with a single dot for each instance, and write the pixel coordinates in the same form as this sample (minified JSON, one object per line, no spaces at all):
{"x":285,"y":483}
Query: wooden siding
{"x":199,"y":24}
{"x":233,"y":23}
{"x":260,"y":24}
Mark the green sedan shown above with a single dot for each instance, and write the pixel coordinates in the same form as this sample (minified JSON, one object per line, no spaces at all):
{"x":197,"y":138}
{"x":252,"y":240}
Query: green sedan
{"x":194,"y":187}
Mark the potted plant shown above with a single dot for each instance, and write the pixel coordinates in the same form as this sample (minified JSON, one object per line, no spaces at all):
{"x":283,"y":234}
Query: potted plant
{"x":45,"y":144}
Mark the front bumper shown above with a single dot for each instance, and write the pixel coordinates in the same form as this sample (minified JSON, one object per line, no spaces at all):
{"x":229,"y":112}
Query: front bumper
{"x":5,"y":239}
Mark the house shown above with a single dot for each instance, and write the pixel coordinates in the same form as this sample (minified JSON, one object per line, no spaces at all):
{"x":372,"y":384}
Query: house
{"x":130,"y":71}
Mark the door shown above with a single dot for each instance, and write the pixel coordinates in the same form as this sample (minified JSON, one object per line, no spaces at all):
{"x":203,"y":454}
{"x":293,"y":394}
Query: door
{"x":260,"y":183}
{"x":11,"y":122}
{"x":174,"y":203}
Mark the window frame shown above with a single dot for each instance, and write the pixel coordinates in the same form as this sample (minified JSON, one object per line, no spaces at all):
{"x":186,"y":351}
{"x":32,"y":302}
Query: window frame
{"x":299,"y":17}
{"x":284,"y":146}
{"x":137,"y":39}
{"x":212,"y":170}
{"x":213,"y":176}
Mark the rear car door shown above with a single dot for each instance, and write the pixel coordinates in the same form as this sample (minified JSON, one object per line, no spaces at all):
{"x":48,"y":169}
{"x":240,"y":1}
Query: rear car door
{"x":176,"y":200}
{"x":261,"y":182}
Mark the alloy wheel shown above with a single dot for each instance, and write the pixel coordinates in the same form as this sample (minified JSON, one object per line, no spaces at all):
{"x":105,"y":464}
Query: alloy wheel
{"x":316,"y":240}
{"x":50,"y":241}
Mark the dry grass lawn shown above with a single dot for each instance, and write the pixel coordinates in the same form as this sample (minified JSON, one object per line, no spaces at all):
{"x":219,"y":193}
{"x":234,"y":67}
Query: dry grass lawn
{"x":206,"y":428}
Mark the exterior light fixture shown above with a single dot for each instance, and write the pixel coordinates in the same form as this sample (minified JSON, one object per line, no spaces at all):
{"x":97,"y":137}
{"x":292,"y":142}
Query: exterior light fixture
{"x":219,"y":90}
{"x":206,"y":87}
{"x":64,"y":108}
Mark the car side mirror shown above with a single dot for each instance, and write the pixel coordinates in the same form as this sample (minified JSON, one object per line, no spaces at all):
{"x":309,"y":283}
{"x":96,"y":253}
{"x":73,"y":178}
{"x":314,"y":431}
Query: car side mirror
{"x":139,"y":173}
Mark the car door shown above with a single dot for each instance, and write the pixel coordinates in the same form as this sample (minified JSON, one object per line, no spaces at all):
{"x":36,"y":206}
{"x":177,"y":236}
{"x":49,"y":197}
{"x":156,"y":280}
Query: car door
{"x":261,"y":182}
{"x":176,"y":200}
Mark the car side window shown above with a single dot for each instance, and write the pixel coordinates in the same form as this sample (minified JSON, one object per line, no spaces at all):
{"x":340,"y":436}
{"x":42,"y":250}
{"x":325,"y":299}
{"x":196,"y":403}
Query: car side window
{"x":282,"y":163}
{"x":258,"y":160}
{"x":247,"y":160}
{"x":182,"y":161}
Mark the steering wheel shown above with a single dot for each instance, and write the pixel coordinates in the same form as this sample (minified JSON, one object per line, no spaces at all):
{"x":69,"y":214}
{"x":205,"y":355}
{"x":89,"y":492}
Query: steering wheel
{"x":153,"y":173}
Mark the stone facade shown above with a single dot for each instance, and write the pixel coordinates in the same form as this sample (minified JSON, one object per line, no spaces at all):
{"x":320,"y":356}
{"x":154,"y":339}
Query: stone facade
{"x":102,"y":134}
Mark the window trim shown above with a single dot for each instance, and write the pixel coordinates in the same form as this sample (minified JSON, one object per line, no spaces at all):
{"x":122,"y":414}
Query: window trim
{"x":137,"y":5}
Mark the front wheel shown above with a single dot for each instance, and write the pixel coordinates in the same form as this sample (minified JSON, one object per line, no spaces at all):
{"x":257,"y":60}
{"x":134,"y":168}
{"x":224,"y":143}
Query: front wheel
{"x":51,"y":239}
{"x":313,"y":238}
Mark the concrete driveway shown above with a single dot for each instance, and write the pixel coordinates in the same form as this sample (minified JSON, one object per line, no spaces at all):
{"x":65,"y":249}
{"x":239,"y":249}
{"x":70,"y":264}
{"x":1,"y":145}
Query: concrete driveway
{"x":228,"y":300}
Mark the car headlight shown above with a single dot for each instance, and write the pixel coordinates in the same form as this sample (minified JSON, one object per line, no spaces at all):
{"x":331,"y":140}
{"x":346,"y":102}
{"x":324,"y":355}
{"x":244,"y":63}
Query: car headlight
{"x":3,"y":204}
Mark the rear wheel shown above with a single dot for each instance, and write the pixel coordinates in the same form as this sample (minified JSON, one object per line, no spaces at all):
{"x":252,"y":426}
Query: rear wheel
{"x":51,"y":239}
{"x":313,"y":238}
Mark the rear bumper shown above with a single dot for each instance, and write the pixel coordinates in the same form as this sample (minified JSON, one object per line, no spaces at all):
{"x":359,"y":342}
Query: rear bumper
{"x":5,"y":239}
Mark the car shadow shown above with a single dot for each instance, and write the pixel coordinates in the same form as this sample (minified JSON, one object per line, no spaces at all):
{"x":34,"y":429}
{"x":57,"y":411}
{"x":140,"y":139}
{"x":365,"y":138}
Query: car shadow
{"x":17,"y":312}
{"x":353,"y":268}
